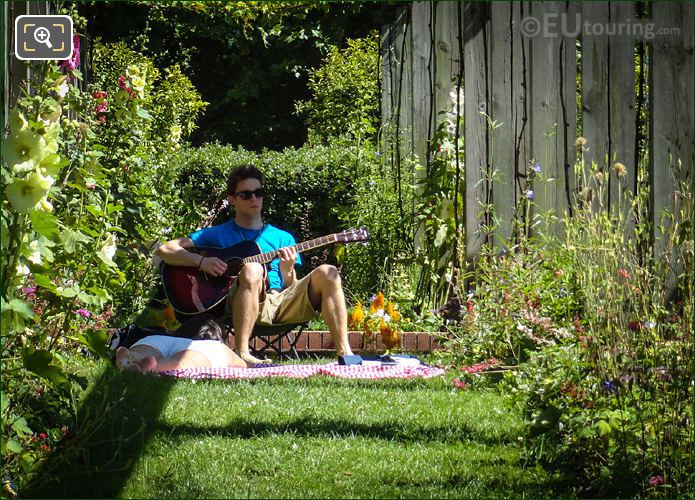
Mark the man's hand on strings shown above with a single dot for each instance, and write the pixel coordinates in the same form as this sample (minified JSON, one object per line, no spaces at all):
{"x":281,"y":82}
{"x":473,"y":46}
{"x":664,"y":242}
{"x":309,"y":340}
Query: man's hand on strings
{"x":213,"y":266}
{"x":288,"y":258}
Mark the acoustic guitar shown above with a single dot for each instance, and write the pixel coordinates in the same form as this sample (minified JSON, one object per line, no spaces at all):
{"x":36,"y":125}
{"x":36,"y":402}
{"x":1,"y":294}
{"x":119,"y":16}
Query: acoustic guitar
{"x":191,"y":292}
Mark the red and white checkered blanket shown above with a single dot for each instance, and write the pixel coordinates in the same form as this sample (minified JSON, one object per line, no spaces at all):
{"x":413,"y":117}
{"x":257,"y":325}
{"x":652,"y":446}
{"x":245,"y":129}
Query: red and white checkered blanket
{"x":304,"y":371}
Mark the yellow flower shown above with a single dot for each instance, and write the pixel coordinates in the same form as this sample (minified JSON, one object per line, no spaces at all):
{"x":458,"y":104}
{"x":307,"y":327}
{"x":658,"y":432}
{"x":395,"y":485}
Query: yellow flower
{"x":50,"y":112}
{"x":580,"y":142}
{"x":17,"y":121}
{"x":377,"y":303}
{"x":357,"y":316}
{"x":620,"y":170}
{"x":23,"y":149}
{"x":50,"y":165}
{"x":24,"y":194}
{"x":391,"y":311}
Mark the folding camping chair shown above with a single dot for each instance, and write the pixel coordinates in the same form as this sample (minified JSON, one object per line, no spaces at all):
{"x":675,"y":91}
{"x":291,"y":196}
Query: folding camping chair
{"x":274,"y":337}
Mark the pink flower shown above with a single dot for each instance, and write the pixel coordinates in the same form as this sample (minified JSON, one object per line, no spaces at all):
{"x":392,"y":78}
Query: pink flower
{"x":624,"y":274}
{"x":29,"y":292}
{"x":121,"y":81}
{"x":74,"y":61}
{"x":83,"y":312}
{"x":43,"y":435}
{"x":460,"y":384}
{"x":657,"y":480}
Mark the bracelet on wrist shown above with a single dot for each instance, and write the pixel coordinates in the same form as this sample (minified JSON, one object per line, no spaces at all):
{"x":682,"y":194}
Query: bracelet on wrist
{"x":202,"y":258}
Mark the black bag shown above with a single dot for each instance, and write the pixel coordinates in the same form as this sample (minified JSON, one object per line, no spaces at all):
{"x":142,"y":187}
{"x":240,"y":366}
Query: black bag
{"x":201,"y":327}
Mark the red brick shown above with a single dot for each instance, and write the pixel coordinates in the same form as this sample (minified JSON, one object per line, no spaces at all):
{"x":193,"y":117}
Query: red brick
{"x":302,"y":342}
{"x":424,"y":342}
{"x":355,"y":340}
{"x":409,"y":341}
{"x":314,"y":342}
{"x":327,"y":341}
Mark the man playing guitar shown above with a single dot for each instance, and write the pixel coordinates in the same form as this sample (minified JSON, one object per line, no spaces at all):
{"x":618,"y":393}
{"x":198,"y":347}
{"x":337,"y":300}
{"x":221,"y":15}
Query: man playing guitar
{"x":287,"y":299}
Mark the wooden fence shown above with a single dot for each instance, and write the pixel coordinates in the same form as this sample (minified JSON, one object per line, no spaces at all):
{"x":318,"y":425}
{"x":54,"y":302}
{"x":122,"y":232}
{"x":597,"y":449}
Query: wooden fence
{"x":619,"y":74}
{"x":15,"y":71}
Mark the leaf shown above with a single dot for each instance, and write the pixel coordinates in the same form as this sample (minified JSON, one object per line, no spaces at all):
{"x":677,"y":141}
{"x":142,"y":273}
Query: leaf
{"x":44,"y":223}
{"x":20,"y":307}
{"x":13,"y":446}
{"x":66,"y":292}
{"x":603,"y":427}
{"x":96,"y":342}
{"x":4,"y":402}
{"x":142,"y":113}
{"x":39,"y":362}
{"x":21,"y":428}
{"x":45,"y":248}
{"x":95,"y":212}
{"x":441,"y":236}
{"x":71,"y":239}
{"x":44,"y":282}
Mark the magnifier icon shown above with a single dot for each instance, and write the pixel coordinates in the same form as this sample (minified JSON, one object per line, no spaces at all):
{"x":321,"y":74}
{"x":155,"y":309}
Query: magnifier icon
{"x":42,"y":35}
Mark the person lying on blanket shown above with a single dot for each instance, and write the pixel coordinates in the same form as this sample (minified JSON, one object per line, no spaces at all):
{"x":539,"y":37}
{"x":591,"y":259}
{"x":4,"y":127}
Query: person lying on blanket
{"x":158,"y":353}
{"x":287,"y":299}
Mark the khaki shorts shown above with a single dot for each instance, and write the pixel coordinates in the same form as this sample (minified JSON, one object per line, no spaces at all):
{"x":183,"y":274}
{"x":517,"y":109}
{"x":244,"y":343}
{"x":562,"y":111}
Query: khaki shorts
{"x":291,"y":305}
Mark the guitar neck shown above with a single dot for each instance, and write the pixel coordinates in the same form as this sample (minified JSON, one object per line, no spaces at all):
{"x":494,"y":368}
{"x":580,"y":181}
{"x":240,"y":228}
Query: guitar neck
{"x":264,"y":258}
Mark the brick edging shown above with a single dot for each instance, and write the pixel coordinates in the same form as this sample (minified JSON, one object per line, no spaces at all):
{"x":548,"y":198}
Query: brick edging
{"x":321,"y":341}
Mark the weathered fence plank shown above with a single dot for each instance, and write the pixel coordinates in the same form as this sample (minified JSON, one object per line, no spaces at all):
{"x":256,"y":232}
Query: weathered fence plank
{"x":672,"y":99}
{"x":421,"y":78}
{"x":595,"y":89}
{"x":547,"y":120}
{"x":621,"y":104}
{"x":476,"y":78}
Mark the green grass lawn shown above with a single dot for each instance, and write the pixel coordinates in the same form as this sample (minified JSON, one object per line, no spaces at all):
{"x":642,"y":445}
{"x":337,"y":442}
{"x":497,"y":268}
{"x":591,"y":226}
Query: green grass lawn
{"x":144,"y":436}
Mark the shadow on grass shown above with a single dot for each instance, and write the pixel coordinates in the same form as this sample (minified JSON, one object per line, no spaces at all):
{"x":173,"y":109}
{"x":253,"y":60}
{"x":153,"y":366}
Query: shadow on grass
{"x":114,"y":425}
{"x":336,"y":429}
{"x":121,"y":413}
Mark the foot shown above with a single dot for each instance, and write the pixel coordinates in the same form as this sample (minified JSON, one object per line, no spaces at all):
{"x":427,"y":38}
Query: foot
{"x":123,"y":360}
{"x":252,"y":360}
{"x":148,"y":364}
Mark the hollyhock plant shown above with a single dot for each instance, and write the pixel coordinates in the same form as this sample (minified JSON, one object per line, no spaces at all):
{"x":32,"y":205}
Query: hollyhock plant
{"x":23,"y":149}
{"x":25,"y":194}
{"x":73,"y":62}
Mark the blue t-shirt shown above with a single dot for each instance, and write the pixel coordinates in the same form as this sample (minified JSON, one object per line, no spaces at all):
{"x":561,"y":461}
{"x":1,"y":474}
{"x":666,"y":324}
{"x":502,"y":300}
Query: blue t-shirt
{"x":269,"y":238}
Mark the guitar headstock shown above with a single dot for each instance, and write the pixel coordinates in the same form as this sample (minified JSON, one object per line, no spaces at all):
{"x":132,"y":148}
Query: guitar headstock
{"x":352,"y":235}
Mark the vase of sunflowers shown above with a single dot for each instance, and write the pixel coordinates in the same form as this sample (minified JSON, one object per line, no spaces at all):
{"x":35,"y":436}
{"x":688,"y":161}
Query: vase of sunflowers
{"x":382,"y":319}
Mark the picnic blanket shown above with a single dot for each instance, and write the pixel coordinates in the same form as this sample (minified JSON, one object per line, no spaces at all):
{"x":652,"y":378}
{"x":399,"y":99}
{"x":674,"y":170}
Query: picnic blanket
{"x":304,"y":371}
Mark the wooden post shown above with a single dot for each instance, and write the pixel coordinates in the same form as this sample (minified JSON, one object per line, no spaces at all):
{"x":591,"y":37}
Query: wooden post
{"x":421,"y":79}
{"x":621,"y":103}
{"x":595,"y":89}
{"x":476,"y":78}
{"x":550,"y":94}
{"x":671,"y":93}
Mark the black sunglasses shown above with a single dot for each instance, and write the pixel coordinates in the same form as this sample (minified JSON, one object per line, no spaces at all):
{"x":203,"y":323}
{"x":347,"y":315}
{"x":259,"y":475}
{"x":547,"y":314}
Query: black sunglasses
{"x":246,"y":195}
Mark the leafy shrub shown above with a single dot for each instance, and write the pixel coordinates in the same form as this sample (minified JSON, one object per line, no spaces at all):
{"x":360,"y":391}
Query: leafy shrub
{"x":614,"y":404}
{"x":345,"y":93}
{"x":148,"y":115}
{"x":85,"y":188}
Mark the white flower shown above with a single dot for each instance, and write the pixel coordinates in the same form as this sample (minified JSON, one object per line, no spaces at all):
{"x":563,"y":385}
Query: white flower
{"x":35,"y":255}
{"x":379,"y":313}
{"x":24,"y":194}
{"x":62,"y":89}
{"x":108,"y":250}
